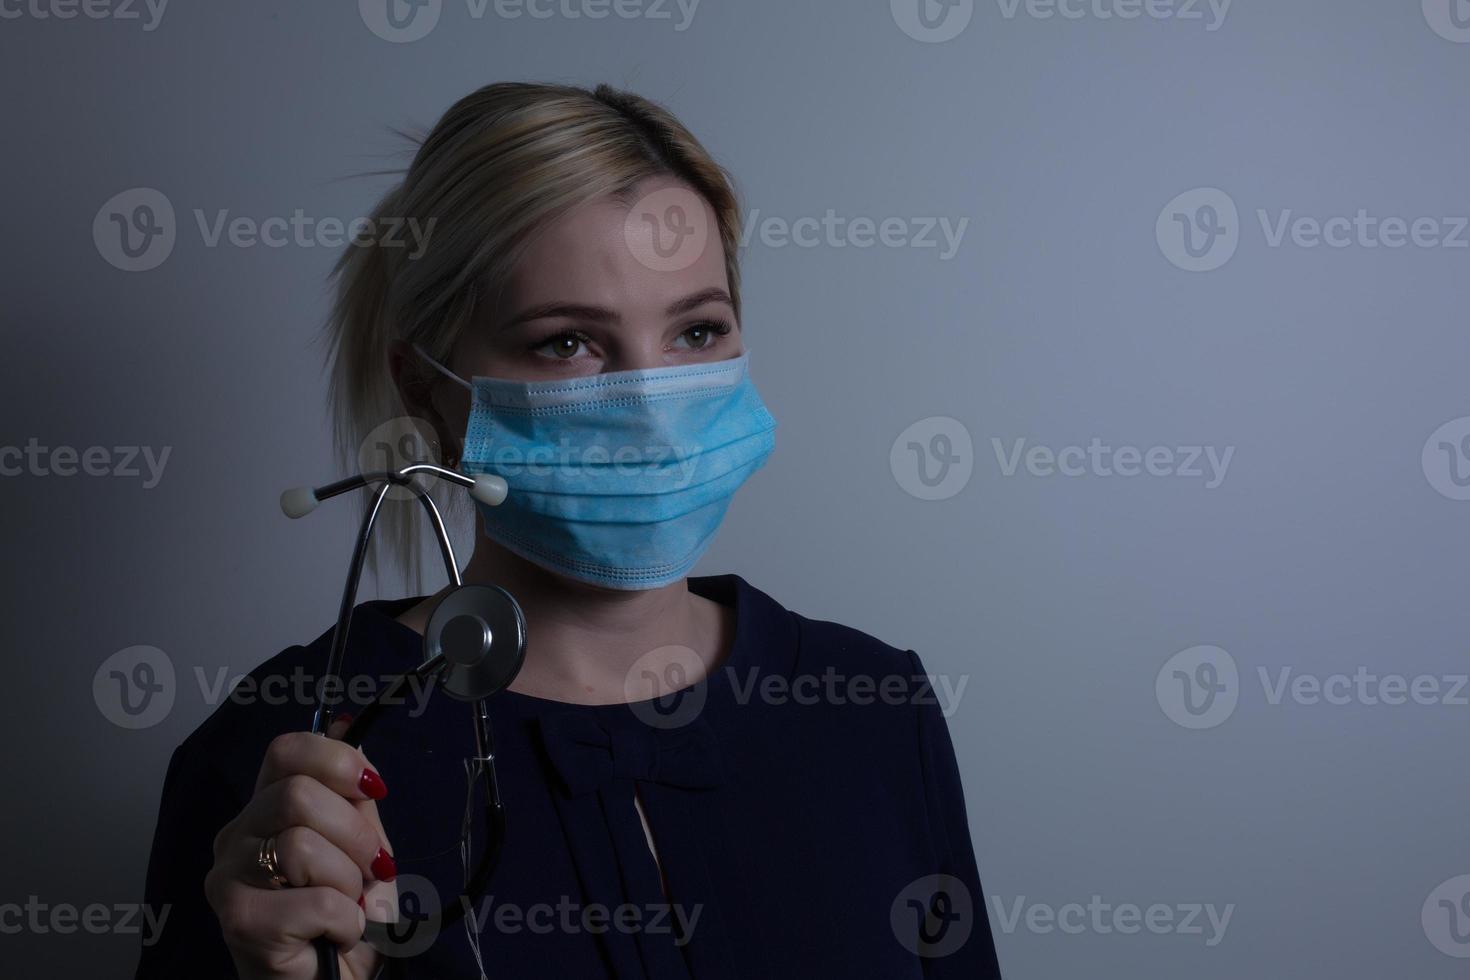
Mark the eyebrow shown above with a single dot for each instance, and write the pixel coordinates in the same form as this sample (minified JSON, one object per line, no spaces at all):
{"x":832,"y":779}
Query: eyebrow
{"x":599,"y":314}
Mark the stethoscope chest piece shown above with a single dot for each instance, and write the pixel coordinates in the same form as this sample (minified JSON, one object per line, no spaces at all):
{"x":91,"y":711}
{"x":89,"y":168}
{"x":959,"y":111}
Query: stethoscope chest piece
{"x":481,"y":632}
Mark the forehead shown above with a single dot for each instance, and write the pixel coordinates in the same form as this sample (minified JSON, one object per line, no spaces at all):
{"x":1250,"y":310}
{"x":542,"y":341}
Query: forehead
{"x":656,"y":244}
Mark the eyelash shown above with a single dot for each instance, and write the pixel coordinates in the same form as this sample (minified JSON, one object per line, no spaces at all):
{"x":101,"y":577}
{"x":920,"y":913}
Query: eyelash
{"x":719,"y":328}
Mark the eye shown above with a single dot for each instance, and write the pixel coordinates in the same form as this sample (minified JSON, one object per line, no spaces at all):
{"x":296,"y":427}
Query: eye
{"x":564,"y":345}
{"x":704,"y":335}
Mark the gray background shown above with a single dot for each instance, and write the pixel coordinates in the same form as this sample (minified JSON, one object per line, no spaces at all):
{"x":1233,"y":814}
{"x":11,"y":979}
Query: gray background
{"x":1326,"y":549}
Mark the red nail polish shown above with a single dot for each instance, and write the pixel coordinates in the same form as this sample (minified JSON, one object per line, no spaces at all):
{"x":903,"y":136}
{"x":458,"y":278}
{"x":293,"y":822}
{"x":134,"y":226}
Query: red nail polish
{"x":344,"y":718}
{"x":384,"y":869}
{"x":362,"y":902}
{"x":372,"y":785}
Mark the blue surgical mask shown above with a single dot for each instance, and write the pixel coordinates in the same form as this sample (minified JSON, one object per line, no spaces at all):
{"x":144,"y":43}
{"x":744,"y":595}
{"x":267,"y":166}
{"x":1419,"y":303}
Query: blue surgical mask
{"x":618,"y":479}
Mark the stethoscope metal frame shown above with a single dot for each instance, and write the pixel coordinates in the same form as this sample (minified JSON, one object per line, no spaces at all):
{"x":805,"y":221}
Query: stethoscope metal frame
{"x":489,"y":489}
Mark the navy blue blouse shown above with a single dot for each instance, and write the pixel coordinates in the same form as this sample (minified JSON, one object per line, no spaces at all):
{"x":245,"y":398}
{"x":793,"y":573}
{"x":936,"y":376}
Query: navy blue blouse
{"x":799,"y":833}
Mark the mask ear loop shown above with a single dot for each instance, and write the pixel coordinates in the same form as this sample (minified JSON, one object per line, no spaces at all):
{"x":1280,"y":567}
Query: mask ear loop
{"x":442,"y":369}
{"x":447,"y":373}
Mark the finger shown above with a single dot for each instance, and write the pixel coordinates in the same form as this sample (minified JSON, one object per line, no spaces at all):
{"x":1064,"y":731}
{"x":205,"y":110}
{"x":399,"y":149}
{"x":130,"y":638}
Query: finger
{"x":335,"y":764}
{"x":304,"y":857}
{"x":297,"y":915}
{"x":378,"y":894}
{"x":339,"y":726}
{"x":380,"y":901}
{"x":300,"y":801}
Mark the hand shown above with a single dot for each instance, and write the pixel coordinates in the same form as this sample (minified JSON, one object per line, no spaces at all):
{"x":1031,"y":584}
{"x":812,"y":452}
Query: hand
{"x":315,"y":797}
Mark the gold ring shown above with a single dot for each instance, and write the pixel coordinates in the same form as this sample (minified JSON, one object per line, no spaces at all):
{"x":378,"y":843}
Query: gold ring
{"x":269,"y":863}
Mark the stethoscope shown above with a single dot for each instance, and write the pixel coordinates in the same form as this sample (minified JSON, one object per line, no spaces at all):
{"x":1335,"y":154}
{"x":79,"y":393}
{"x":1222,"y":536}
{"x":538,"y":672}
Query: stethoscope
{"x":474,"y":645}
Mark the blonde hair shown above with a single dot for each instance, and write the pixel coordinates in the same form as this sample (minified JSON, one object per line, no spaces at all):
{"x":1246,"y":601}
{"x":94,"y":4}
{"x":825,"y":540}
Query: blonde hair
{"x":502,"y":162}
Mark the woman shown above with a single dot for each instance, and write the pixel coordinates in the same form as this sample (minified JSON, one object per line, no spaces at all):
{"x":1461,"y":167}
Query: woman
{"x":796,"y":813}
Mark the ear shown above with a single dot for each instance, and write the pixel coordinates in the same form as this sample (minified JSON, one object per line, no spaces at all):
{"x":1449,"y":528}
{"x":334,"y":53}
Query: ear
{"x":418,"y":385}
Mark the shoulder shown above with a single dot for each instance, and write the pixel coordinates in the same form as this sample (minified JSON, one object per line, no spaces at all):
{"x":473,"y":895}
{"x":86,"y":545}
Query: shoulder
{"x":879,"y":686}
{"x":856,"y":716}
{"x":818,"y":645}
{"x":834,"y":675}
{"x":825,"y":643}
